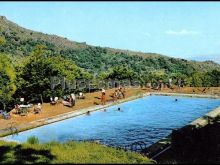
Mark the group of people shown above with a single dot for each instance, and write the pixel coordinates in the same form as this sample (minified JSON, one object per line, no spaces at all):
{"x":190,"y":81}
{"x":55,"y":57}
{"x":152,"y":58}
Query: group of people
{"x":117,"y":94}
{"x":67,"y":101}
{"x":70,"y":100}
{"x":23,"y":109}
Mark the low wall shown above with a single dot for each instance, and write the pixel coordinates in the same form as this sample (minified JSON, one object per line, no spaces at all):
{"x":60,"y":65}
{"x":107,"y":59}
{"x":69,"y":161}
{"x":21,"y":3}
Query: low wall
{"x":193,"y":144}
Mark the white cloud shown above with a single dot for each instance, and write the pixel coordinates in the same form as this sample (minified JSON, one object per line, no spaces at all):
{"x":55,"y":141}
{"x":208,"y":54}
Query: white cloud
{"x":182,"y":32}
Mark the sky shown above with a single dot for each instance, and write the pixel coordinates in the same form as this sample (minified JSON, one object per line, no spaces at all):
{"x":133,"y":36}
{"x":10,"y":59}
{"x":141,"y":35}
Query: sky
{"x":178,"y":29}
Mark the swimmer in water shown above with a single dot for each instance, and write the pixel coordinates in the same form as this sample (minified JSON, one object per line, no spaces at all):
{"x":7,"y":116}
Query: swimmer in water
{"x":88,"y":112}
{"x":176,"y":100}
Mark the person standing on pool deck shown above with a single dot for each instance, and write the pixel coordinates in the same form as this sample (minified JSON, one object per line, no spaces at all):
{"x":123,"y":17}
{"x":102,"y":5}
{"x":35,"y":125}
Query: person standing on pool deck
{"x":115,"y":96}
{"x":103,"y":98}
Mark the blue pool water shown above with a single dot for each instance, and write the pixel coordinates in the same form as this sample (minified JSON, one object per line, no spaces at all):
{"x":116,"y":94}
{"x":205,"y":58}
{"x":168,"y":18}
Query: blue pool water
{"x":146,"y":119}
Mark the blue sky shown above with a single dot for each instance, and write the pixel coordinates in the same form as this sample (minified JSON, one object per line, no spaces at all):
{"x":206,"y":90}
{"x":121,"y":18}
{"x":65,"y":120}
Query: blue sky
{"x":178,"y":29}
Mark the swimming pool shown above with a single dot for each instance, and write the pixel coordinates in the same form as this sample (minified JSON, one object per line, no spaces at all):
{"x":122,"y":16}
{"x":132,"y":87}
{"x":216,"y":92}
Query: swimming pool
{"x":146,"y":119}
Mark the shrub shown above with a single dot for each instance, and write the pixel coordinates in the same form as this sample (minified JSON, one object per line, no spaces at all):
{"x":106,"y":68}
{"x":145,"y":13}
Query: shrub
{"x":33,"y":140}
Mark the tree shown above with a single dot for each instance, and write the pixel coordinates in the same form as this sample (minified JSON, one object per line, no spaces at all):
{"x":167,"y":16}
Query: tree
{"x":207,"y":80}
{"x":7,"y":80}
{"x":214,"y":78}
{"x":34,"y":80}
{"x":2,"y":41}
{"x":197,"y":79}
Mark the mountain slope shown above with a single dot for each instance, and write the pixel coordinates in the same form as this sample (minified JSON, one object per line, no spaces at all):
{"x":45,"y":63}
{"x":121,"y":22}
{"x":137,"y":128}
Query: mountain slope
{"x":20,"y":42}
{"x":12,"y":29}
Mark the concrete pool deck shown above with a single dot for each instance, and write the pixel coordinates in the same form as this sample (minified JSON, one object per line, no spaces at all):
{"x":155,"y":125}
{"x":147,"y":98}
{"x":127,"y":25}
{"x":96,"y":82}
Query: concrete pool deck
{"x":49,"y":120}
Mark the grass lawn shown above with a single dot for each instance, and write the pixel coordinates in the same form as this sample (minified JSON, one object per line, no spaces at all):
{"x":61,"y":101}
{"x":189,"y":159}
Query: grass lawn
{"x":69,"y":152}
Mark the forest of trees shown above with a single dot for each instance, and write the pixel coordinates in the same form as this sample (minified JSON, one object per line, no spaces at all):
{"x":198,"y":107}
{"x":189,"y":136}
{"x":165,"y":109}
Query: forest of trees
{"x":30,"y":78}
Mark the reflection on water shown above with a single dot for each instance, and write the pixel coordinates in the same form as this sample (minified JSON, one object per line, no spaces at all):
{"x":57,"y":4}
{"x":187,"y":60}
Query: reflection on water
{"x":148,"y":119}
